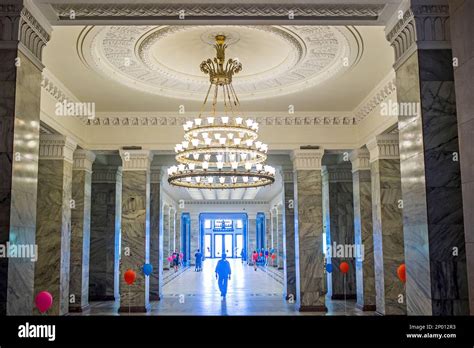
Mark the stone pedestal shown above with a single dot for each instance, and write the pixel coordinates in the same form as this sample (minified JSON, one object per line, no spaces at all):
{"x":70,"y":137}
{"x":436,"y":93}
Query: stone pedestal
{"x":106,"y":210}
{"x":461,"y":14}
{"x":363,"y":229}
{"x":53,"y":220}
{"x":310,"y":282}
{"x":156,"y":254}
{"x":135,"y":245}
{"x":80,"y":234}
{"x":387,"y":219}
{"x":21,"y":44}
{"x":429,"y":159}
{"x":339,"y":227}
{"x":289,"y":236}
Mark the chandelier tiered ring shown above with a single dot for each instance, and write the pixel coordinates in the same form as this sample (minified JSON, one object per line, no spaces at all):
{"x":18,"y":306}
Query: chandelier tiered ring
{"x":221,"y":152}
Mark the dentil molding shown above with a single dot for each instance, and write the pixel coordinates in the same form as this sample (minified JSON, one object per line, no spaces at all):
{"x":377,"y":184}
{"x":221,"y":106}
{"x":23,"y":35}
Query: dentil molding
{"x":384,"y":146}
{"x":83,"y":160}
{"x":360,"y":159}
{"x":56,"y":147}
{"x":307,"y":159}
{"x":136,"y":160}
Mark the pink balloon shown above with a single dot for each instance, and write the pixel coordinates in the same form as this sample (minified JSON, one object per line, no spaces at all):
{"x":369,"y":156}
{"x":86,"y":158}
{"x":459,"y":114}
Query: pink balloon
{"x":170,"y":258}
{"x":43,"y":301}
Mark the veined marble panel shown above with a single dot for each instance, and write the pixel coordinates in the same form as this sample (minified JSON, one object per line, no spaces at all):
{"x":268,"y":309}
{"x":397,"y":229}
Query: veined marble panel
{"x":431,"y":185}
{"x":105,"y":234}
{"x":280,"y":245}
{"x":166,"y":238}
{"x":135,"y":239}
{"x":53,"y":235}
{"x":289,"y":242}
{"x":155,"y":286}
{"x":388,"y":236}
{"x":80,"y":238}
{"x":195,"y":237}
{"x":310,"y":282}
{"x":251,"y":239}
{"x":363,"y":233}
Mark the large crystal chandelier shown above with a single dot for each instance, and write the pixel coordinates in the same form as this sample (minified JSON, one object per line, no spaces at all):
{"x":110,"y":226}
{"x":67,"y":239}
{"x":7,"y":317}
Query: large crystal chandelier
{"x":221,"y":151}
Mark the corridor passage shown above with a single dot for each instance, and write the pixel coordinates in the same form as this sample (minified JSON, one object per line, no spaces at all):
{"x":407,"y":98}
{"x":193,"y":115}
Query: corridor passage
{"x":249,"y":293}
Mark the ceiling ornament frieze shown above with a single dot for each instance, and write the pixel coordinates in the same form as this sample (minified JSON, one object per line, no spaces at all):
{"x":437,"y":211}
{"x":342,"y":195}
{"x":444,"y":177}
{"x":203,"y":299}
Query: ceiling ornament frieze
{"x":299,"y":57}
{"x":229,"y":10}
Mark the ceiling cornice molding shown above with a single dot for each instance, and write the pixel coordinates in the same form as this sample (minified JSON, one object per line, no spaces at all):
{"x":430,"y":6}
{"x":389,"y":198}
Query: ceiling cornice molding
{"x":168,"y":119}
{"x":225,"y":202}
{"x":376,"y":97}
{"x":216,"y":10}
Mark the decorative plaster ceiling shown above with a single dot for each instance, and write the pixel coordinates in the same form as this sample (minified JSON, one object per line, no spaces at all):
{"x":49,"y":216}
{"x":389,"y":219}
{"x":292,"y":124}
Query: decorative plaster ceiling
{"x":277,"y":60}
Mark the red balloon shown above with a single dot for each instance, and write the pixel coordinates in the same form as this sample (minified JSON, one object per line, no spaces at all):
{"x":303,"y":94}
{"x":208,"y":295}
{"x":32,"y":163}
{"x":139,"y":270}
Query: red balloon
{"x":402,"y":273}
{"x":43,"y":301}
{"x":130,"y":277}
{"x":274,"y":257}
{"x":344,"y":267}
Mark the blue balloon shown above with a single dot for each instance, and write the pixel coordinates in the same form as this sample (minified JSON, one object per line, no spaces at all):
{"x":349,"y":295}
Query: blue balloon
{"x":147,"y":269}
{"x":329,"y":267}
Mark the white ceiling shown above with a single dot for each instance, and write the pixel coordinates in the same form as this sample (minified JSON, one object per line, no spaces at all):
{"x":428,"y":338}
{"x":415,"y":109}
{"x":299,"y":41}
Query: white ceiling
{"x":268,"y":59}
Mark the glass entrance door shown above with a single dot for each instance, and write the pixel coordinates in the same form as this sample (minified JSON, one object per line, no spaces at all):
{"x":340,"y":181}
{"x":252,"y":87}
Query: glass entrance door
{"x":224,"y":243}
{"x":228,"y":245}
{"x":238,"y":245}
{"x":218,"y":244}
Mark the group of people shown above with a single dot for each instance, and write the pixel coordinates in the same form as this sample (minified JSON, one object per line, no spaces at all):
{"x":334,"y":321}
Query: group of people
{"x":176,"y":260}
{"x":262,"y":257}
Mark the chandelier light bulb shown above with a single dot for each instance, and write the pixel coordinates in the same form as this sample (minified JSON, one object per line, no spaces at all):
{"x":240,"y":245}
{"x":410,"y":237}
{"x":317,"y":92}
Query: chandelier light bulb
{"x":185,"y":127}
{"x":248,"y":165}
{"x":237,"y":141}
{"x":232,"y":157}
{"x":210,"y":120}
{"x":191,"y":166}
{"x":222,"y":179}
{"x":222,"y":141}
{"x":179,"y":147}
{"x":255,"y":126}
{"x":185,"y":144}
{"x":243,"y":156}
{"x":197,"y":121}
{"x":181,"y":167}
{"x":238,"y":121}
{"x":188,"y":179}
{"x":258,"y":144}
{"x":207,"y":141}
{"x":205,"y":135}
{"x":259,"y":167}
{"x":233,"y":179}
{"x":205,"y":165}
{"x":230,"y":135}
{"x":189,"y":124}
{"x":255,"y":178}
{"x":219,"y":158}
{"x":225,"y":119}
{"x":220,"y":165}
{"x":249,"y":123}
{"x":207,"y":157}
{"x":195,"y":142}
{"x":195,"y":156}
{"x":217,"y":136}
{"x":210,"y":179}
{"x":245,"y":179}
{"x":234,"y":165}
{"x":198,"y":179}
{"x":249,"y":142}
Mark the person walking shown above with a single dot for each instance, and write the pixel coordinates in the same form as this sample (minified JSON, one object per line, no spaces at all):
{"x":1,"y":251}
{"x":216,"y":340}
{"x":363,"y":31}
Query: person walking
{"x":223,"y":273}
{"x":175,"y":260}
{"x":198,"y":256}
{"x":255,"y":259}
{"x":242,"y":255}
{"x":266,"y":257}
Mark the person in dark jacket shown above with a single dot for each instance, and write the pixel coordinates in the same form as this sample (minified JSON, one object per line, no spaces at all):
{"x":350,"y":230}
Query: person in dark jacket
{"x":223,"y":275}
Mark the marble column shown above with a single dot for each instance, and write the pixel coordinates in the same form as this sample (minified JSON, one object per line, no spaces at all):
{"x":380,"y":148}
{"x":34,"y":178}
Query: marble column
{"x":166,"y":236}
{"x":309,"y":257}
{"x":280,"y":247}
{"x":363,"y":229}
{"x":177,"y":221}
{"x":251,"y":236}
{"x":53,"y":219}
{"x":268,"y":230}
{"x":195,"y":236}
{"x":156,"y":253}
{"x":106,"y":211}
{"x":387,"y":218}
{"x":433,"y":218}
{"x":135,"y":229}
{"x":339,"y":227}
{"x":289,"y":236}
{"x":80,"y":230}
{"x":461,"y":14}
{"x":22,"y":40}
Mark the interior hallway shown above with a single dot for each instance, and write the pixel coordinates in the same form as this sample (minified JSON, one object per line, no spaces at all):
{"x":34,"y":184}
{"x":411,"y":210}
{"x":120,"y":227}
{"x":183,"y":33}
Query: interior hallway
{"x":249,"y":293}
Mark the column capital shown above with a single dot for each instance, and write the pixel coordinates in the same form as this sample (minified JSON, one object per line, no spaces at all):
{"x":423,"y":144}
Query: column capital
{"x":307,"y":159}
{"x":106,"y":174}
{"x":83,"y":160}
{"x":384,"y":146}
{"x":136,"y":160}
{"x":423,"y":25}
{"x":360,"y":159}
{"x":155,"y":174}
{"x":56,"y":147}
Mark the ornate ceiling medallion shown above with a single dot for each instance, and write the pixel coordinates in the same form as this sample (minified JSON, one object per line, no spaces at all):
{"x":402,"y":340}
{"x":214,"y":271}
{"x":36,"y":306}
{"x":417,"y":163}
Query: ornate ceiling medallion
{"x":280,"y":59}
{"x":221,"y":152}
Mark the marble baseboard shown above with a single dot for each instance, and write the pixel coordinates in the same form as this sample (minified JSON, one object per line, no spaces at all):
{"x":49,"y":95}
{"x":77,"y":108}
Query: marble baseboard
{"x":312,"y":309}
{"x":134,"y":309}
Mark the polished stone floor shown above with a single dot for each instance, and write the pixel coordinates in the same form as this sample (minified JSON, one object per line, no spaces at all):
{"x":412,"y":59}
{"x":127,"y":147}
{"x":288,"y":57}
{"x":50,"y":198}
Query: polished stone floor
{"x":249,"y":293}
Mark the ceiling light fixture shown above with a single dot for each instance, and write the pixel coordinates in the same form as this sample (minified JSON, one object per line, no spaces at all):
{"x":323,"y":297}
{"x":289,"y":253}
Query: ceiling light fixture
{"x":228,"y":144}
